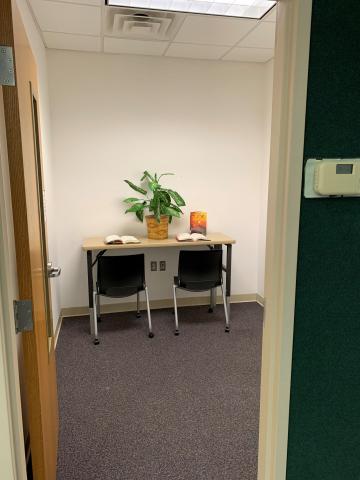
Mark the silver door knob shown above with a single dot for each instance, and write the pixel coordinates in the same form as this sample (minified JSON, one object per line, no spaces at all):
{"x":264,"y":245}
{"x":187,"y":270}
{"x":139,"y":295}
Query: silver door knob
{"x":53,"y":271}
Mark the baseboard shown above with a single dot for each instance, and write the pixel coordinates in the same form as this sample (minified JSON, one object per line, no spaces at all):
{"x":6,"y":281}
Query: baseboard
{"x":156,"y":305}
{"x":260,"y":300}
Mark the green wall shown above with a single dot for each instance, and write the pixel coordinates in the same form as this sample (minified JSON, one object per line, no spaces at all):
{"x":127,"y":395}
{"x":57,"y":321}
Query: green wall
{"x":324,"y":429}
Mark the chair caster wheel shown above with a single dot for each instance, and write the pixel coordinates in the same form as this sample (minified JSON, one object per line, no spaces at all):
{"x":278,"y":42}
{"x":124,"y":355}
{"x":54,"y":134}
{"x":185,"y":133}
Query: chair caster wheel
{"x":96,"y":341}
{"x":227,"y":329}
{"x":210,"y":310}
{"x":151,"y":335}
{"x":138,"y":315}
{"x":176,"y":333}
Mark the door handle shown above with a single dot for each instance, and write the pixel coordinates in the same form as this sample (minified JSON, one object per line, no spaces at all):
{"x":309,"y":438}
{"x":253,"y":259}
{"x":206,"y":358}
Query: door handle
{"x":53,"y":271}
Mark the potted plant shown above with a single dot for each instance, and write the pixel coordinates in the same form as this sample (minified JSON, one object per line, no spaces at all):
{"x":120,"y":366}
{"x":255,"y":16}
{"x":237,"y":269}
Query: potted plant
{"x":162,"y":203}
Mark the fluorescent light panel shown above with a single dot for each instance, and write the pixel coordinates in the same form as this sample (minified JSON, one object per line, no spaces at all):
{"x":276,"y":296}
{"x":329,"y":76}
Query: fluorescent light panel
{"x":228,"y":8}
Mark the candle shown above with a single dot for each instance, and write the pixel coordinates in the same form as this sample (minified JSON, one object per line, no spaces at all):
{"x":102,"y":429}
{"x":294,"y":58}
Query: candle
{"x":198,"y":222}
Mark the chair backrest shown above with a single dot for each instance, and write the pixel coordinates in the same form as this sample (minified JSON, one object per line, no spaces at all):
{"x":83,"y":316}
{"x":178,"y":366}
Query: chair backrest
{"x":200,"y":269}
{"x":119,"y":276}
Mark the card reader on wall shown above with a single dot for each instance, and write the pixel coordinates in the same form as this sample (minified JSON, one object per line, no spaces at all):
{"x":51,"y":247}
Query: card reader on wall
{"x":332,"y":177}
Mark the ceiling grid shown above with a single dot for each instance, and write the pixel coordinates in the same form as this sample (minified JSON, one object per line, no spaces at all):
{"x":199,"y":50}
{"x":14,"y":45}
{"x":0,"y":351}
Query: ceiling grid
{"x":83,"y":25}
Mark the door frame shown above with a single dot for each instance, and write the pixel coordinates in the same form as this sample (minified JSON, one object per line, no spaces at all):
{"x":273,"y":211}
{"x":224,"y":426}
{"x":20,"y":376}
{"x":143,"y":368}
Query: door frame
{"x":286,"y":160}
{"x":286,"y":165}
{"x":14,"y":463}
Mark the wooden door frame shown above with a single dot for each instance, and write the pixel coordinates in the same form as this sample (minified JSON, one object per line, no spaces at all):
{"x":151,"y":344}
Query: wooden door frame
{"x":14,"y":462}
{"x":288,"y":127}
{"x":38,"y":365}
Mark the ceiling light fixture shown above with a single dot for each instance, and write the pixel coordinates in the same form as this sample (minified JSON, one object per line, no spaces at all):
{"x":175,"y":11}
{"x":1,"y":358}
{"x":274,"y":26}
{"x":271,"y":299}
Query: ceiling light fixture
{"x":228,"y":8}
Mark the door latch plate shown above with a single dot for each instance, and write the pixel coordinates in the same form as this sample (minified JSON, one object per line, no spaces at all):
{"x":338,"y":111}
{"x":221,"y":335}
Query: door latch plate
{"x":7,"y":74}
{"x":23,"y":316}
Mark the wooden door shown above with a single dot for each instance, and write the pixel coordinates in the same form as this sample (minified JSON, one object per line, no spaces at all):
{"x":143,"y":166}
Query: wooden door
{"x":24,"y":153}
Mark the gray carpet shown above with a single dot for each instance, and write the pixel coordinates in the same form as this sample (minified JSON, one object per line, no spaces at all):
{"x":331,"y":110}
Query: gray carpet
{"x":177,"y":408}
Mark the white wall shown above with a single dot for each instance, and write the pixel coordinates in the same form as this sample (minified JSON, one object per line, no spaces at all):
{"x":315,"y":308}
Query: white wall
{"x":114,"y":116}
{"x":39,"y":52}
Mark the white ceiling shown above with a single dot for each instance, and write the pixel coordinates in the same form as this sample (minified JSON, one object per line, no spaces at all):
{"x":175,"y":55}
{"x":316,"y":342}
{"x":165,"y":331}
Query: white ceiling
{"x":89,"y":25}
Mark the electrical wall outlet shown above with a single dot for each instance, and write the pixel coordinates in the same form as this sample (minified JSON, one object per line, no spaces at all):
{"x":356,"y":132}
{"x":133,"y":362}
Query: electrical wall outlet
{"x":153,"y":266}
{"x":162,"y":265}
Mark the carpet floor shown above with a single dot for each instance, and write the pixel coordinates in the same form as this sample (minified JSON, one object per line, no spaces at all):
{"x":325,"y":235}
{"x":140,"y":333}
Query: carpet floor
{"x":175,"y":408}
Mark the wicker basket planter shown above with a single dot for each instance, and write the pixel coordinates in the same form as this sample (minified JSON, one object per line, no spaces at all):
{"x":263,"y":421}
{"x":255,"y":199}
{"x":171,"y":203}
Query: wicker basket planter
{"x":157,"y":231}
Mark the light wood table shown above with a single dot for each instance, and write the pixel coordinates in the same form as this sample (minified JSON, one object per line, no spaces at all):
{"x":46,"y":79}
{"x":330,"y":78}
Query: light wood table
{"x":216,"y":240}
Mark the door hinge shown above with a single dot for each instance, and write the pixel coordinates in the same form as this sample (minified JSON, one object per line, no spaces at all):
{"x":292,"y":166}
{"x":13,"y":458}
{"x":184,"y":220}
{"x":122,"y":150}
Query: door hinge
{"x":7,"y":73}
{"x":23,"y":316}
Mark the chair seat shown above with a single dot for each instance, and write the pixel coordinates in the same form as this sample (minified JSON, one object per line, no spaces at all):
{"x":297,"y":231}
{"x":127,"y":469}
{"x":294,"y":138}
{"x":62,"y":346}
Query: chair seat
{"x":197,"y":286}
{"x":119,"y":292}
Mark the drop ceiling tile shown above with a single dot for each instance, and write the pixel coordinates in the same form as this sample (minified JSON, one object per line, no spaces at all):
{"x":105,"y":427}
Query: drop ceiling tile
{"x":186,"y":50}
{"x":208,"y":30}
{"x":67,"y":17}
{"x":263,"y":36}
{"x":68,"y":41}
{"x":137,"y":47}
{"x":249,"y":54}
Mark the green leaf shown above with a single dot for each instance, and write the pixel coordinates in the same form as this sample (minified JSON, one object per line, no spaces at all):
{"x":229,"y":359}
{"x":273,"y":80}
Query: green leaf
{"x":131,"y":200}
{"x":175,"y":207}
{"x":172,"y":212}
{"x":135,"y":187}
{"x":153,"y":186}
{"x":135,"y":208}
{"x":147,"y":174}
{"x":177,"y":198}
{"x":163,"y":175}
{"x":140,"y":215}
{"x":165,"y":197}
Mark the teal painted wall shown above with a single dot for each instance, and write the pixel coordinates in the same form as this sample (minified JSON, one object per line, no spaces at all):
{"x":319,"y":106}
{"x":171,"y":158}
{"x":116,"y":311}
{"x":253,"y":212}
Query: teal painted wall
{"x":324,"y":428}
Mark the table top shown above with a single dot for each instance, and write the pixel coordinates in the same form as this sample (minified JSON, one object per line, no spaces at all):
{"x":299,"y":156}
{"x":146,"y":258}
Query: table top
{"x":97,"y":243}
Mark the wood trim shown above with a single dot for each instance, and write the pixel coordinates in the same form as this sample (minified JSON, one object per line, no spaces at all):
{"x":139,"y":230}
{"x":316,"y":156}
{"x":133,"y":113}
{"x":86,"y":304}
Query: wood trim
{"x":18,"y":200}
{"x":156,"y":305}
{"x":286,"y":159}
{"x":15,"y":153}
{"x":8,"y":347}
{"x":39,"y":363}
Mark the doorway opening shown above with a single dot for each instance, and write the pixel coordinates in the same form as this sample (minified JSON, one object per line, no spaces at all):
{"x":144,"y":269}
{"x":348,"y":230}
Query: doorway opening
{"x":157,"y":104}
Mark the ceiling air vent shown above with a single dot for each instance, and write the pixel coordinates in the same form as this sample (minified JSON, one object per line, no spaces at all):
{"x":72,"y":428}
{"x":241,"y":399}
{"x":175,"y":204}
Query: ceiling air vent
{"x":130,"y":23}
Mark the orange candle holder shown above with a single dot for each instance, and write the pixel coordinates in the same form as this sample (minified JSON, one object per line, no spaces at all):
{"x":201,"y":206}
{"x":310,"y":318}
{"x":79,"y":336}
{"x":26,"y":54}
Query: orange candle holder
{"x":198,"y":221}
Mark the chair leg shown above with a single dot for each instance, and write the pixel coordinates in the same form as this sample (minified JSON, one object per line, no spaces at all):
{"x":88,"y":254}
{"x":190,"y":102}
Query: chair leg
{"x":176,"y":313}
{"x":94,"y":329}
{"x":138,"y":314}
{"x":227,"y":327}
{"x":148,"y":313}
{"x":98,"y":309}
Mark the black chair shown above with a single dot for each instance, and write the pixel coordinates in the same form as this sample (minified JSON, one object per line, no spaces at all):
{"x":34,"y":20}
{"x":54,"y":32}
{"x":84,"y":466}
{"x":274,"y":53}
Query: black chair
{"x":120,"y":276}
{"x":199,"y":271}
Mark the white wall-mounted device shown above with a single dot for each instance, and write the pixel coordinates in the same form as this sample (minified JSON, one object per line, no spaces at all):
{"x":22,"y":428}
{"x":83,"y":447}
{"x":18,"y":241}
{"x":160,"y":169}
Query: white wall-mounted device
{"x":332,"y":177}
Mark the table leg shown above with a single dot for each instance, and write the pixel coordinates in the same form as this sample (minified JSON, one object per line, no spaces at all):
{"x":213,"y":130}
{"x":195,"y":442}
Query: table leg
{"x":212,"y":300}
{"x":90,"y":290}
{"x":228,"y":275}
